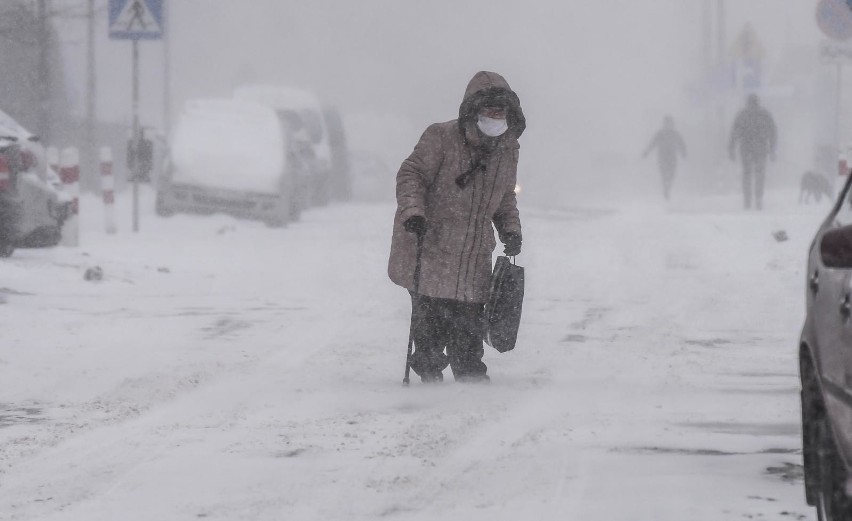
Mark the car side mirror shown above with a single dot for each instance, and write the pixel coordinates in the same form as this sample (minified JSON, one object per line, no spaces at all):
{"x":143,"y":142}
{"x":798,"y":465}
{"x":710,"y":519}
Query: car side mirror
{"x":835,"y":248}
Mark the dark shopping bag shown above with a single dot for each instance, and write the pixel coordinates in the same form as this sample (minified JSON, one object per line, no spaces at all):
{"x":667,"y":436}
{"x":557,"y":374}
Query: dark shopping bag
{"x":503,"y":309}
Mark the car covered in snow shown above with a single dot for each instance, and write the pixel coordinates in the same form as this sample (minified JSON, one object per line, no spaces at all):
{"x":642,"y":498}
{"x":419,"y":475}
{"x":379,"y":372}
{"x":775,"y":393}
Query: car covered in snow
{"x":825,"y":365}
{"x":33,"y":206}
{"x":229,"y":156}
{"x":303,"y":117}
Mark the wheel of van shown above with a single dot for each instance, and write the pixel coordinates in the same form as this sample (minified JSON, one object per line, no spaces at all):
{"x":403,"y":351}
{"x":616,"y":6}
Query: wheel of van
{"x":6,"y":250}
{"x":279,"y":219}
{"x":276,"y":222}
{"x":295,"y":209}
{"x":832,"y":503}
{"x":161,"y":208}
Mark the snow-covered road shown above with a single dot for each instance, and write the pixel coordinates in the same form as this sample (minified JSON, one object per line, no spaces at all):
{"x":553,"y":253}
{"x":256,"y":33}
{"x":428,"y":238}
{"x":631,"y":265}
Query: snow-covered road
{"x":223,"y":370}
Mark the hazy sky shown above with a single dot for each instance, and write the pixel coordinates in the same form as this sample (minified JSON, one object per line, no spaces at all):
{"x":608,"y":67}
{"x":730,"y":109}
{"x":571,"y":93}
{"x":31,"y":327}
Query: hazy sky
{"x":592,"y":75}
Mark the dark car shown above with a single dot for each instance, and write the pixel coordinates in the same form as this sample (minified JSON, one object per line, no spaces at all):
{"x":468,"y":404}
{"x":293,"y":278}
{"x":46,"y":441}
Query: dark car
{"x":32,"y":206}
{"x":825,"y":364}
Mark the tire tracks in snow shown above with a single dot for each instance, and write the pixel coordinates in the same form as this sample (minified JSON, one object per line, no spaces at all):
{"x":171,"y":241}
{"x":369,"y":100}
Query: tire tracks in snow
{"x":96,"y":457}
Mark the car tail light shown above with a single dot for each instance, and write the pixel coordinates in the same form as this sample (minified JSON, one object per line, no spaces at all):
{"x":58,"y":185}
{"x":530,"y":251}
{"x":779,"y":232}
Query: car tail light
{"x":5,"y":174}
{"x":28,"y":160}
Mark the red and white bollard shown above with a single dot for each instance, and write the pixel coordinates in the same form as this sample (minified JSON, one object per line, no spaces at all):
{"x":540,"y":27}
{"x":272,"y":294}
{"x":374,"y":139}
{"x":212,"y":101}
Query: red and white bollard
{"x":69,"y":173}
{"x":108,"y":189}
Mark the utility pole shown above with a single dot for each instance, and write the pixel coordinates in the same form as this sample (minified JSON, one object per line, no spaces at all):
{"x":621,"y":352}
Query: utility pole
{"x":90,"y":145}
{"x":838,"y":109}
{"x":721,"y":55}
{"x":43,"y":88}
{"x":136,"y":170}
{"x":167,"y":72}
{"x":707,"y":65}
{"x":721,"y":31}
{"x":706,"y":35}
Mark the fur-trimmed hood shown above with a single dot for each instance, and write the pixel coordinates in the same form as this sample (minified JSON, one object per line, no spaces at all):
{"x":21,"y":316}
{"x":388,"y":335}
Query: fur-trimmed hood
{"x":489,"y":87}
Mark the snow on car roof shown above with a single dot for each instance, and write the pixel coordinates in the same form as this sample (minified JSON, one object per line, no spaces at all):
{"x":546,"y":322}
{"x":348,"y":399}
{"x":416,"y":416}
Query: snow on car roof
{"x":302,"y":101}
{"x":10,"y":127}
{"x":231,"y":144}
{"x":278,"y":97}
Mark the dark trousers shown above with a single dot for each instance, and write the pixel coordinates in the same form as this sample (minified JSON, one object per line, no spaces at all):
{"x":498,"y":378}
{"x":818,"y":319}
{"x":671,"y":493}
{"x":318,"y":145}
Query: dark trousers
{"x":668,"y":174}
{"x":754,"y":173}
{"x":441,"y":324}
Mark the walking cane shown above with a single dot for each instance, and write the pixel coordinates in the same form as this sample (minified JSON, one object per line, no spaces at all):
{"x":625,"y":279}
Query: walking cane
{"x":405,"y":381}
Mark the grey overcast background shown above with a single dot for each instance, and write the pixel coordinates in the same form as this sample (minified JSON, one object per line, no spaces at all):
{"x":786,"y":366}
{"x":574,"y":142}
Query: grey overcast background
{"x":594,"y":77}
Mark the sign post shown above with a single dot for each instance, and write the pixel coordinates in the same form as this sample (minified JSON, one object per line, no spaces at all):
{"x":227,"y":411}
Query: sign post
{"x":834,"y":18}
{"x":748,"y":54}
{"x":135,"y":20}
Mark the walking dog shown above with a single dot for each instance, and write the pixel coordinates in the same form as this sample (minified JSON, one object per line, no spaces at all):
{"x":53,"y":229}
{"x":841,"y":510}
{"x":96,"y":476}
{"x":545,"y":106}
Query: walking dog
{"x":814,"y":185}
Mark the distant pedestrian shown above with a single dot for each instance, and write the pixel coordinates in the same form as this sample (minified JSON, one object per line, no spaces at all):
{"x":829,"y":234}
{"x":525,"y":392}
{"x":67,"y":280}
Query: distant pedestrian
{"x":755,"y":132}
{"x":670,"y":145}
{"x":459,"y":179}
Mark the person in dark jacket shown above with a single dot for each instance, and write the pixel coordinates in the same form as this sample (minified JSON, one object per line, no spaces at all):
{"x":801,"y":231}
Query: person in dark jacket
{"x":755,"y":133}
{"x":669,"y":145}
{"x":457,"y":183}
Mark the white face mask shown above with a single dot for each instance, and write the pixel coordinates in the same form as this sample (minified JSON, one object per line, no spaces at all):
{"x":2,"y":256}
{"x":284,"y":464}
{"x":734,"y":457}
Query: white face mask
{"x":492,"y":127}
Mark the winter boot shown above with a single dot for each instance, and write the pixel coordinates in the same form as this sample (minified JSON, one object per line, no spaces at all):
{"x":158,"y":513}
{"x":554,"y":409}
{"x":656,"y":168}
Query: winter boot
{"x":432,"y":378}
{"x":474,"y":379}
{"x":429,"y":366}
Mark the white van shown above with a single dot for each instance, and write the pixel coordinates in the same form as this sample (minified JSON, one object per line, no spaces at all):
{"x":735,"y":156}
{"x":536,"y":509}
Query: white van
{"x":229,"y":156}
{"x":301,"y":115}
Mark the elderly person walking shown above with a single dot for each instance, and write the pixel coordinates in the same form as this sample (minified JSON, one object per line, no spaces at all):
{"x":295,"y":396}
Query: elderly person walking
{"x":459,"y":180}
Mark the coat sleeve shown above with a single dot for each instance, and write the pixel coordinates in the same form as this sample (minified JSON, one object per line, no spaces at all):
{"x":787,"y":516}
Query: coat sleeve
{"x":735,"y":133}
{"x":506,"y":218}
{"x":418,"y":172}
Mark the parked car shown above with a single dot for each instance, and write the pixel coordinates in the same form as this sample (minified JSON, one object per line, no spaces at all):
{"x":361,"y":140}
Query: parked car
{"x":301,"y":115}
{"x":228,"y":156}
{"x":372,"y":178}
{"x":33,"y":207}
{"x":825,"y":366}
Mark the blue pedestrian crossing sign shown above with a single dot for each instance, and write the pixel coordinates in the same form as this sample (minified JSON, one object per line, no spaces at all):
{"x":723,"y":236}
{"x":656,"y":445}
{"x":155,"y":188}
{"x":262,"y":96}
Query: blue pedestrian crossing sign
{"x":136,"y":19}
{"x":834,"y":19}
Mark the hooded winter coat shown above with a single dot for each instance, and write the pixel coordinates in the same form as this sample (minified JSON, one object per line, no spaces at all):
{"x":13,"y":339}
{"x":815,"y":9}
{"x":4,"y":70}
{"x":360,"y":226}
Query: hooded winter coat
{"x":755,"y":131}
{"x":441,"y":182}
{"x":669,"y":145}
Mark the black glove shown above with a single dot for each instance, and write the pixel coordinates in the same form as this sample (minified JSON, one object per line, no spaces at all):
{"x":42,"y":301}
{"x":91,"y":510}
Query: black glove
{"x":512,"y":241}
{"x":415,"y":224}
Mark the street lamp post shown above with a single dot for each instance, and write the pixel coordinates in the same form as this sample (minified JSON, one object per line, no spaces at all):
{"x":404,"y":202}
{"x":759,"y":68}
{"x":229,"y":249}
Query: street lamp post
{"x":167,"y":72}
